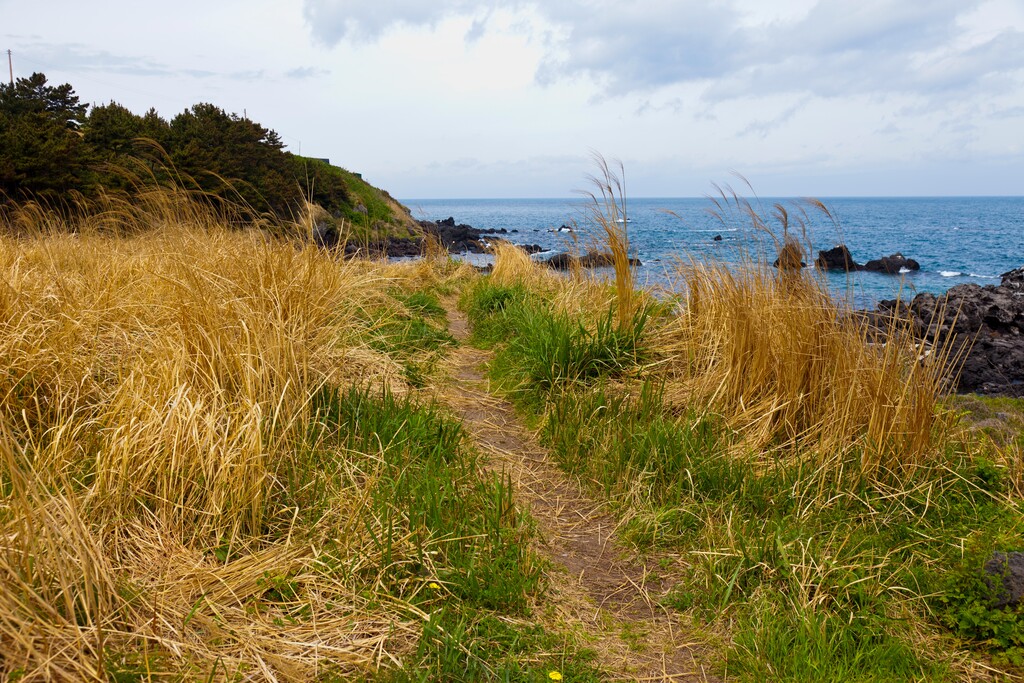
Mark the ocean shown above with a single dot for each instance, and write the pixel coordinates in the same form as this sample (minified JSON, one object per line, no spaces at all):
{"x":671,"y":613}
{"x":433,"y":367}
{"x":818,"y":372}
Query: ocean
{"x":955,"y":239}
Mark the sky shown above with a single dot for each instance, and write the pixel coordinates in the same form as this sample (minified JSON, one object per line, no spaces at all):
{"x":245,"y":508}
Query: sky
{"x":510,"y":98}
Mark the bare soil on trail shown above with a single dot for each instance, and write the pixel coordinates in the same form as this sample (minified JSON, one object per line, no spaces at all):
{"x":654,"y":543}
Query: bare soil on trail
{"x":602,"y":591}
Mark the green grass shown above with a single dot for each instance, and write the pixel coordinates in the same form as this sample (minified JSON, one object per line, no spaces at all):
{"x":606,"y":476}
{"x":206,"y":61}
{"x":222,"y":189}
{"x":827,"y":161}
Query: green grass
{"x":466,"y":646}
{"x":449,"y":538}
{"x":424,"y":303}
{"x":493,"y":309}
{"x":545,"y":350}
{"x":1000,"y":418}
{"x":428,"y":492}
{"x":413,"y":331}
{"x":780,"y":643}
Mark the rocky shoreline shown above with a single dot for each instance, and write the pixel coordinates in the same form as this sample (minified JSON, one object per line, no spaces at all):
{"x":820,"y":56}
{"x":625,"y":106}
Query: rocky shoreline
{"x":984,"y":326}
{"x":457,"y":238}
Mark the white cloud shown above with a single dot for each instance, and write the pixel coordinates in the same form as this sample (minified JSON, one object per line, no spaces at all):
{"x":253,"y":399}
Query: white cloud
{"x":332,"y":21}
{"x":790,"y":92}
{"x":641,"y":46}
{"x":832,"y":48}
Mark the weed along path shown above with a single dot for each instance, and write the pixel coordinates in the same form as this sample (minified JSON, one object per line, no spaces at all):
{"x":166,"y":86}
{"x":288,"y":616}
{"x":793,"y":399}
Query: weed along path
{"x":598,"y":591}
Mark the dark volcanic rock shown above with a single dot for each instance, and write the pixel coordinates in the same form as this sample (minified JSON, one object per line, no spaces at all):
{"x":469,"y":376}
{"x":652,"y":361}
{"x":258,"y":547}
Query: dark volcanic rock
{"x":983,"y":325}
{"x":325,"y":236}
{"x":892,"y":264}
{"x":460,"y":238}
{"x":1013,"y":280}
{"x":1004,"y":573}
{"x":592,"y":259}
{"x":716,"y":238}
{"x":837,"y":258}
{"x":395,"y":247}
{"x":403,"y":246}
{"x":455,"y":238}
{"x":562,"y":261}
{"x":840,"y":258}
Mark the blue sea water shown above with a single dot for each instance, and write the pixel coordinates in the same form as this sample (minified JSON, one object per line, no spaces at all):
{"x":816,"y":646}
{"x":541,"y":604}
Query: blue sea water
{"x":955,"y":239}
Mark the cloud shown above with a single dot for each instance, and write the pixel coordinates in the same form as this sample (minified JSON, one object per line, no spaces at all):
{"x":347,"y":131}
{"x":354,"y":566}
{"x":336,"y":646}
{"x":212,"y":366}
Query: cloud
{"x":837,"y":48}
{"x":199,"y":73}
{"x":75,"y":57}
{"x":249,"y":75}
{"x":762,"y":128}
{"x":78,"y":57}
{"x":642,"y":46}
{"x":875,"y":48}
{"x":1009,"y":113}
{"x":871,"y":26}
{"x":306,"y":72}
{"x":363,"y":21}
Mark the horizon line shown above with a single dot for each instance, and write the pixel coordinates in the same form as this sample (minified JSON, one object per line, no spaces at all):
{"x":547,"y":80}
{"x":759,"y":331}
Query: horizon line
{"x":708,"y":196}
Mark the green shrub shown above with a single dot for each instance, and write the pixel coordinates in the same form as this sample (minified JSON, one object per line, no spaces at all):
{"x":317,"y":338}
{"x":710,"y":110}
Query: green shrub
{"x":968,"y":606}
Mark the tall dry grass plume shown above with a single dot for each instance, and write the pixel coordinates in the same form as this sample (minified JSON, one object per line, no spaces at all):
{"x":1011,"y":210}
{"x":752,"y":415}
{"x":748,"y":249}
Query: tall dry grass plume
{"x":765,"y":345}
{"x":607,"y":210}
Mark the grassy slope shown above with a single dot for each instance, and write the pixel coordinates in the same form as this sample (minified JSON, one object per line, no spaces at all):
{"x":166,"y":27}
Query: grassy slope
{"x":369,"y":212}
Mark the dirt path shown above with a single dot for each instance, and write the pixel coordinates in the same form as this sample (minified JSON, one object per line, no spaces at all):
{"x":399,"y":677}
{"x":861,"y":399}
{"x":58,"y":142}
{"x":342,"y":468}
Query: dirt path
{"x":603,"y":592}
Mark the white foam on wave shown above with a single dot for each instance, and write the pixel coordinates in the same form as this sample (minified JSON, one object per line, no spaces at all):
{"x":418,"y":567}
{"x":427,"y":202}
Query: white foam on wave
{"x":984,"y":277}
{"x":904,"y":271}
{"x":950,"y":273}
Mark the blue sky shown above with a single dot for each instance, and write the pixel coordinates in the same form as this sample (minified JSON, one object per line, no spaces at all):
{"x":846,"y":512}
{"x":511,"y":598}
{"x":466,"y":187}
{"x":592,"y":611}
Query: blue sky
{"x":509,"y":98}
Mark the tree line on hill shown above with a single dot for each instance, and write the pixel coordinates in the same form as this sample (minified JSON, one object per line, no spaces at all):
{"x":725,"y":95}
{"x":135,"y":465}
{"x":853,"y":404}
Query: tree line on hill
{"x":52,"y":147}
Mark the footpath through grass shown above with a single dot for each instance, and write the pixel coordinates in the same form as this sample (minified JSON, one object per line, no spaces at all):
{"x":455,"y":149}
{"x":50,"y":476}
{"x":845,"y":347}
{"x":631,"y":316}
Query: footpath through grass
{"x":215,"y":464}
{"x":219,"y":460}
{"x":818,"y":506}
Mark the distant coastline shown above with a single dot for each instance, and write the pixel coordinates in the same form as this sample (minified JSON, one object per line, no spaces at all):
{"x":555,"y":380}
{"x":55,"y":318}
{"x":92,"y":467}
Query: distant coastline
{"x":956,"y":240}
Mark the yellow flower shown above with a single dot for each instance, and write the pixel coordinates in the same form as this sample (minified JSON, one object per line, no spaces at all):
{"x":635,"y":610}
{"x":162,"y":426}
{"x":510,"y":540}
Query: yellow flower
{"x":554,"y":675}
{"x":433,"y":586}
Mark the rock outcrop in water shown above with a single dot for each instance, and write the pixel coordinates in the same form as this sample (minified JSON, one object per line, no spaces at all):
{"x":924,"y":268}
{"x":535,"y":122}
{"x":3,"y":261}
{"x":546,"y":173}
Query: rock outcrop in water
{"x":836,"y":258}
{"x":985,"y":326}
{"x":459,"y":238}
{"x":592,"y":259}
{"x":839,"y":258}
{"x":892,"y":264}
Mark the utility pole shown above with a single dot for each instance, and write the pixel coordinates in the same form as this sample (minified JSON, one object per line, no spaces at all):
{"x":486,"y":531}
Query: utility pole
{"x":10,"y":67}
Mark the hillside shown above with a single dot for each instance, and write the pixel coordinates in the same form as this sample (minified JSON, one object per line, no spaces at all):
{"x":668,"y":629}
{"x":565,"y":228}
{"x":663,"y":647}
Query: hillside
{"x":369,"y":211}
{"x":58,"y":151}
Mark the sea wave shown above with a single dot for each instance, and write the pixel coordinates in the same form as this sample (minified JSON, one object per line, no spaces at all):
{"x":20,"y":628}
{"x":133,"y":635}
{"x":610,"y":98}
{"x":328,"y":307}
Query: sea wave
{"x":950,"y":273}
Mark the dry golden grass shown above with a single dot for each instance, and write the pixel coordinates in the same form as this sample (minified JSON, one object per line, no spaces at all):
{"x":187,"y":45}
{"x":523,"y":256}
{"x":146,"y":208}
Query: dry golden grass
{"x":607,"y":210}
{"x":787,"y":367}
{"x":578,"y":294}
{"x":155,"y":386}
{"x":768,"y":349}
